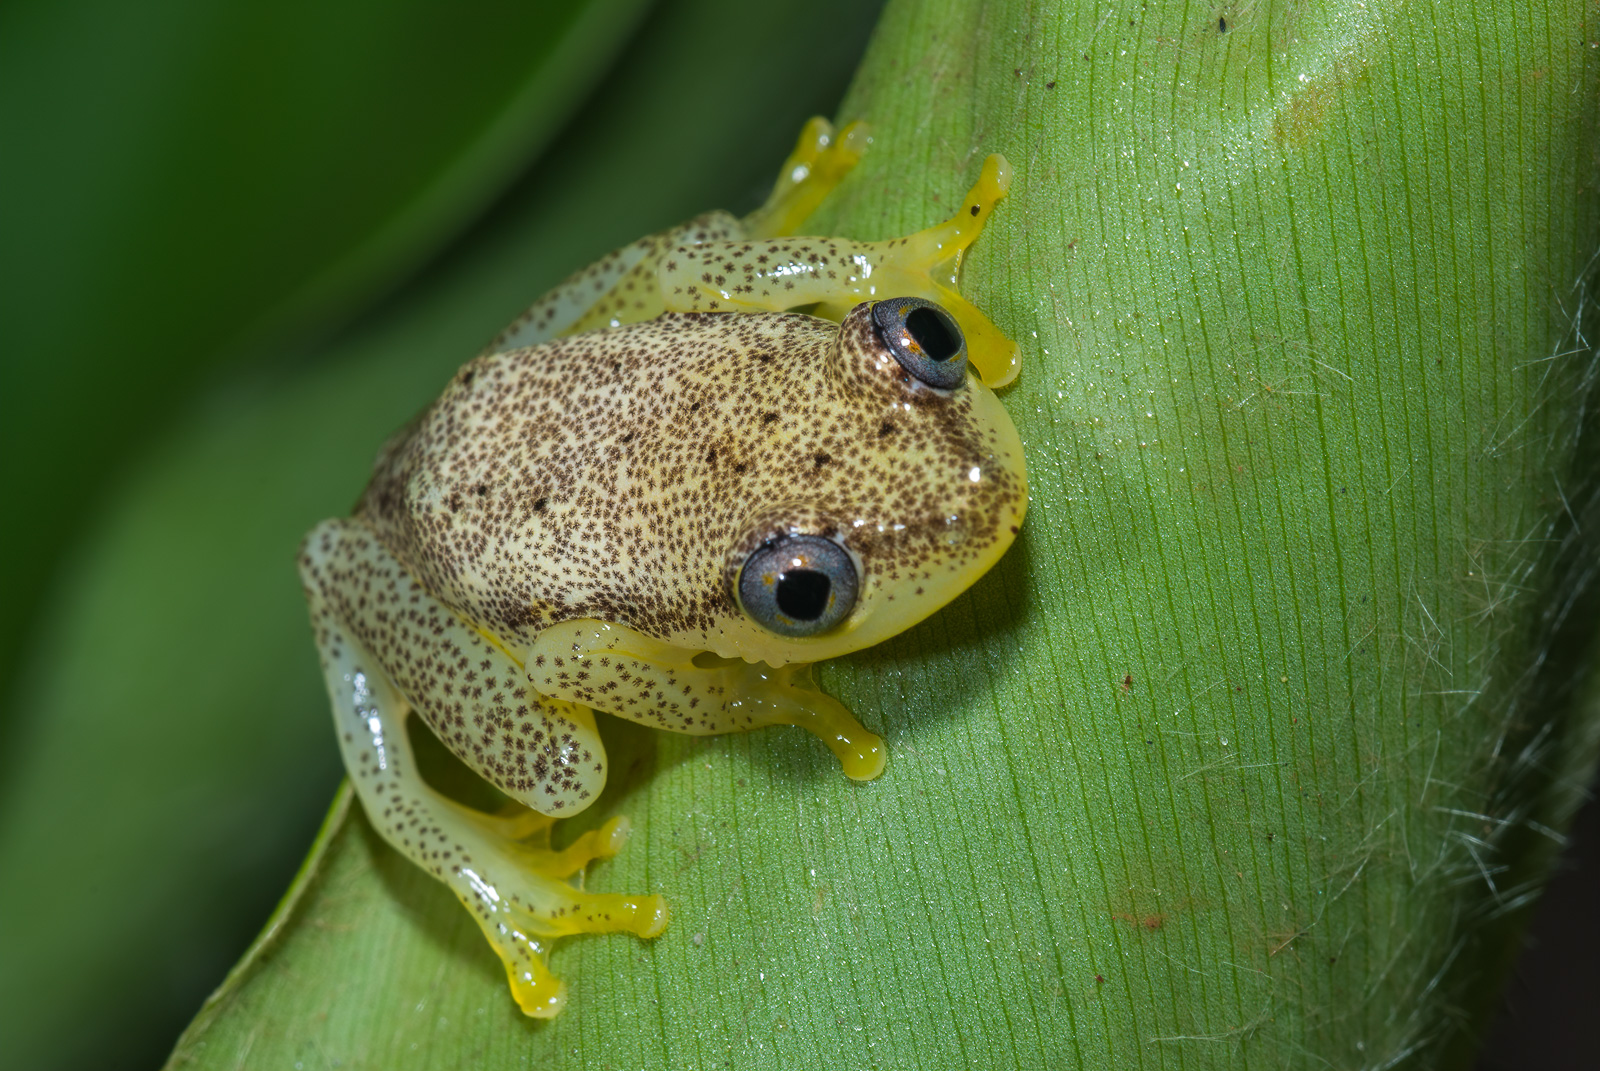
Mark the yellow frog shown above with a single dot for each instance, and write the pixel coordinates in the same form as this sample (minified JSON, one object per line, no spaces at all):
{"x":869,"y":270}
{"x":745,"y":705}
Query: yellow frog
{"x":667,"y":517}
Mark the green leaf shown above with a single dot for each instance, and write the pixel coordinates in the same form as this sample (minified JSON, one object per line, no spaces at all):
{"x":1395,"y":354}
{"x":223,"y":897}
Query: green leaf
{"x":1242,"y":757}
{"x":1246,"y":754}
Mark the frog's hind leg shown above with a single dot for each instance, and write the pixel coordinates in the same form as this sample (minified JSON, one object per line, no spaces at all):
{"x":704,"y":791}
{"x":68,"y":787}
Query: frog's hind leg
{"x":501,"y":868}
{"x":821,"y":158}
{"x":623,"y":288}
{"x":619,"y":288}
{"x":835,"y":274}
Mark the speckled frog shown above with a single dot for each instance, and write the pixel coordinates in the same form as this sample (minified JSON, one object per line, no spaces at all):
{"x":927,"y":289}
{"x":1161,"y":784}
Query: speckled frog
{"x":667,"y":515}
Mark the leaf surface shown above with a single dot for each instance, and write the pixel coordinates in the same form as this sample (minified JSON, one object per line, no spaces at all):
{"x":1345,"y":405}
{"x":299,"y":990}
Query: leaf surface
{"x":1248,"y":752}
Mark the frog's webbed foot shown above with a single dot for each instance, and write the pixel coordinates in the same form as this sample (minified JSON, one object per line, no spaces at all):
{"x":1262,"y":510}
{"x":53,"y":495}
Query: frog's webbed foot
{"x":533,"y":906}
{"x":623,"y":672}
{"x":835,"y":274}
{"x":502,"y":868}
{"x":522,"y":900}
{"x":820,"y":159}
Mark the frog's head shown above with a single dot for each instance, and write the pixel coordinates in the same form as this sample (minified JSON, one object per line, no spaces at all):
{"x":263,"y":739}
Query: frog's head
{"x":899,"y":485}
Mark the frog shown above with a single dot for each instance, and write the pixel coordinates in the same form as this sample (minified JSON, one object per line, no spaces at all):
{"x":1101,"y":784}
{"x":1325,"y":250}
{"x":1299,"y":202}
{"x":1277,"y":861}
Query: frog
{"x":664,"y":494}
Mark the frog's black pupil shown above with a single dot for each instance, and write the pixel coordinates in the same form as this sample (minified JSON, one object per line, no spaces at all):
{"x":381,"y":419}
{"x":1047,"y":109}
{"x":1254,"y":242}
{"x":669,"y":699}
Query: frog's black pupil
{"x":933,"y":334}
{"x":803,"y":594}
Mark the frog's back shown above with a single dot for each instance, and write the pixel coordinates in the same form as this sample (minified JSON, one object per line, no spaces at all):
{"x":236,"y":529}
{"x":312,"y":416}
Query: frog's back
{"x":613,"y":476}
{"x":563,"y":480}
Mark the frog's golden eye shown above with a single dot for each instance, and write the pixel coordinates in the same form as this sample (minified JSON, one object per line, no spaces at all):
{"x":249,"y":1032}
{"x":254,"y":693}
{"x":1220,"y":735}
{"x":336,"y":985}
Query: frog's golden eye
{"x":798,"y":585}
{"x":925,"y":339}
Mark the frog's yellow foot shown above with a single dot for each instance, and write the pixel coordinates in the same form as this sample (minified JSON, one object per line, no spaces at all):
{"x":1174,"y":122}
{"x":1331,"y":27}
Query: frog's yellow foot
{"x":821,"y":158}
{"x":524,"y":953}
{"x":515,"y":884}
{"x":534,"y":908}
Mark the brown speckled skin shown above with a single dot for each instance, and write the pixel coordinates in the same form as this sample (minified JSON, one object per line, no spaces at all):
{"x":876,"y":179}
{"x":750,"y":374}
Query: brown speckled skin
{"x":622,"y":475}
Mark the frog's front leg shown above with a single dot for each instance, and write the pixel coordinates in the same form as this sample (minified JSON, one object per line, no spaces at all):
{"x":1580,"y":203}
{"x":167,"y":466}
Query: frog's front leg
{"x":389,"y":648}
{"x":623,"y":286}
{"x":821,"y":158}
{"x":835,"y":274}
{"x":626,"y":673}
{"x":619,"y":288}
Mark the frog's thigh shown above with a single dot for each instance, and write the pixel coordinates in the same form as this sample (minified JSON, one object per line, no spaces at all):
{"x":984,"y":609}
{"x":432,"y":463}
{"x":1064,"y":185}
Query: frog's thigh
{"x":628,"y":674}
{"x":542,"y":753}
{"x":513,"y":888}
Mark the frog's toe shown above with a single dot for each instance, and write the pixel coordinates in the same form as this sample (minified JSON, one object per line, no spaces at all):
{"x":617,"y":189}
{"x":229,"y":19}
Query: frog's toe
{"x":642,"y":916}
{"x":540,"y":994}
{"x":840,"y":153}
{"x":537,"y":909}
{"x":820,"y":159}
{"x":814,"y":139}
{"x":648,"y":915}
{"x":602,"y":843}
{"x":851,"y":143}
{"x":523,"y":933}
{"x":538,"y":901}
{"x":518,"y":889}
{"x":609,"y":838}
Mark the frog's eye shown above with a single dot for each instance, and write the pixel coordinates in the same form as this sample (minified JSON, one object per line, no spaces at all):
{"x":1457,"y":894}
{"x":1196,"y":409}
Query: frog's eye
{"x":925,"y":340}
{"x":798,"y":585}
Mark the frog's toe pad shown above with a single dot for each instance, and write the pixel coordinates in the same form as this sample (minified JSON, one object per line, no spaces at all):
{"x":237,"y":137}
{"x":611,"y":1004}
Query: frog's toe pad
{"x":537,"y":992}
{"x":651,"y":915}
{"x":612,"y":836}
{"x":522,"y":934}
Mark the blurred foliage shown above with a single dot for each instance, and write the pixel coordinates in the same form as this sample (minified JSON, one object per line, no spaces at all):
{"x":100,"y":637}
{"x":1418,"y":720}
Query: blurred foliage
{"x":166,"y":755}
{"x":1248,"y":754}
{"x":188,"y":184}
